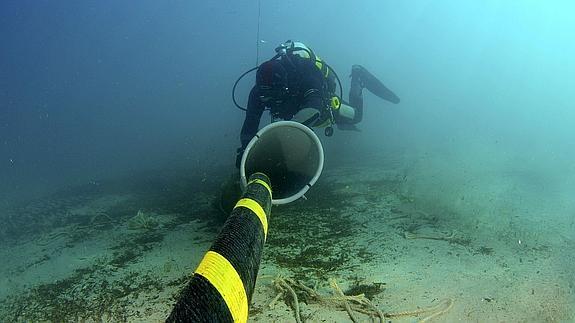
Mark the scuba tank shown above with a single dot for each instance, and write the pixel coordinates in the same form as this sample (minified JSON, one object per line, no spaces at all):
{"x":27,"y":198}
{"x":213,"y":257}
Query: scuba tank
{"x":341,"y":110}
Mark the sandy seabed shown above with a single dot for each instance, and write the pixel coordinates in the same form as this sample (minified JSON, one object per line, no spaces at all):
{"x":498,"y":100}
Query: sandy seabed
{"x":122,"y":251}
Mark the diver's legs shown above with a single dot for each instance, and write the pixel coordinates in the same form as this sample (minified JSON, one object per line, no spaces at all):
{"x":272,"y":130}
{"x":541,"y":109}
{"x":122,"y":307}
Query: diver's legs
{"x":372,"y":84}
{"x":346,"y":121}
{"x":360,"y":78}
{"x":355,"y":94}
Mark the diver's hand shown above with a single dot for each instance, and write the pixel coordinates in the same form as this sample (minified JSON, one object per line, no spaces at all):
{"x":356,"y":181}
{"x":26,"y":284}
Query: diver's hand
{"x":239,"y":154}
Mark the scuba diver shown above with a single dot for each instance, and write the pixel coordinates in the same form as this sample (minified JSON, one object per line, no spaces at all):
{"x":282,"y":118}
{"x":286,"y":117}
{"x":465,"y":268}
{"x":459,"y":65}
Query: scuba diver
{"x":297,"y":85}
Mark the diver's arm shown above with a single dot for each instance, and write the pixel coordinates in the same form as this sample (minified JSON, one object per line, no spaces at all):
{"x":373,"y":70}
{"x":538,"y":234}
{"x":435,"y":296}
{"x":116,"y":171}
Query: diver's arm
{"x":312,"y":98}
{"x":253,"y":116}
{"x":313,"y":87}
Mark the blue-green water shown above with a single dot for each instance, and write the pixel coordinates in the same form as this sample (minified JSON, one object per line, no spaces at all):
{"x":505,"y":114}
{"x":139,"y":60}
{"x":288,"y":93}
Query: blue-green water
{"x":123,"y":101}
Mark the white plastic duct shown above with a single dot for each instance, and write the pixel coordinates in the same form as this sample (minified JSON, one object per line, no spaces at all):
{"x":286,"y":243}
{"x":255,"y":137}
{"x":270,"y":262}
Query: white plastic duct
{"x":290,"y":154}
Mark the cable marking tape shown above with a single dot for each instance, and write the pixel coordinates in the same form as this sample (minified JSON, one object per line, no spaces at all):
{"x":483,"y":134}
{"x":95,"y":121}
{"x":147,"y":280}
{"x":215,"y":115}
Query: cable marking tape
{"x":257,"y":209}
{"x":224,"y":277}
{"x":259,"y":181}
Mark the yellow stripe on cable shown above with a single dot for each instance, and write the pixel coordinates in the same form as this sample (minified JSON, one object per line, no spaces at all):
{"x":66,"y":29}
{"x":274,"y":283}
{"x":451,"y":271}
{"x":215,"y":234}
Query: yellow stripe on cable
{"x":259,"y":181}
{"x":223,"y":276}
{"x":258,"y":210}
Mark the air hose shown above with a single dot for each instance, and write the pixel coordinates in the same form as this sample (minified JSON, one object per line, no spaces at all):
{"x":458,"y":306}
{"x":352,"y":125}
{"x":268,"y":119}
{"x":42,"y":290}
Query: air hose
{"x":222,"y":286}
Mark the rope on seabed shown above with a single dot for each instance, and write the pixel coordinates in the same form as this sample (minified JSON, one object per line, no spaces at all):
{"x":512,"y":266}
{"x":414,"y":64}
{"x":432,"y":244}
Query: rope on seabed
{"x":358,"y":303}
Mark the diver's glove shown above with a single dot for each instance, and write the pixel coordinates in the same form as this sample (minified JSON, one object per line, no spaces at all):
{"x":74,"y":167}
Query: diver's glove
{"x":239,"y":154}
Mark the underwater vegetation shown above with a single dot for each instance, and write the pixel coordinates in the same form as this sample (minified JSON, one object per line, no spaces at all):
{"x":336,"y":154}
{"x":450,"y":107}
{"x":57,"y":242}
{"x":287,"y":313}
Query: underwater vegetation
{"x":129,"y":222}
{"x":324,"y":252}
{"x":142,"y":221}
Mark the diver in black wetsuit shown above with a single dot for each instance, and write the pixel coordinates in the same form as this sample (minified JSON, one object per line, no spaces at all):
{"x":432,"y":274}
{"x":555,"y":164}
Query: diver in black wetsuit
{"x":297,"y":85}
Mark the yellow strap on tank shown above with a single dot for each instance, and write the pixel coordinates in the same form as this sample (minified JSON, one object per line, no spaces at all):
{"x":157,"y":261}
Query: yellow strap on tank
{"x":224,"y":277}
{"x":258,"y":210}
{"x":319,"y":65}
{"x":322,"y":67}
{"x":259,"y":181}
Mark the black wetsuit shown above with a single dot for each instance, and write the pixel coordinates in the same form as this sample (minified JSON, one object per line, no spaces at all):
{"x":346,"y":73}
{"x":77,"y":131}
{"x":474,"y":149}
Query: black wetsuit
{"x":308,"y":88}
